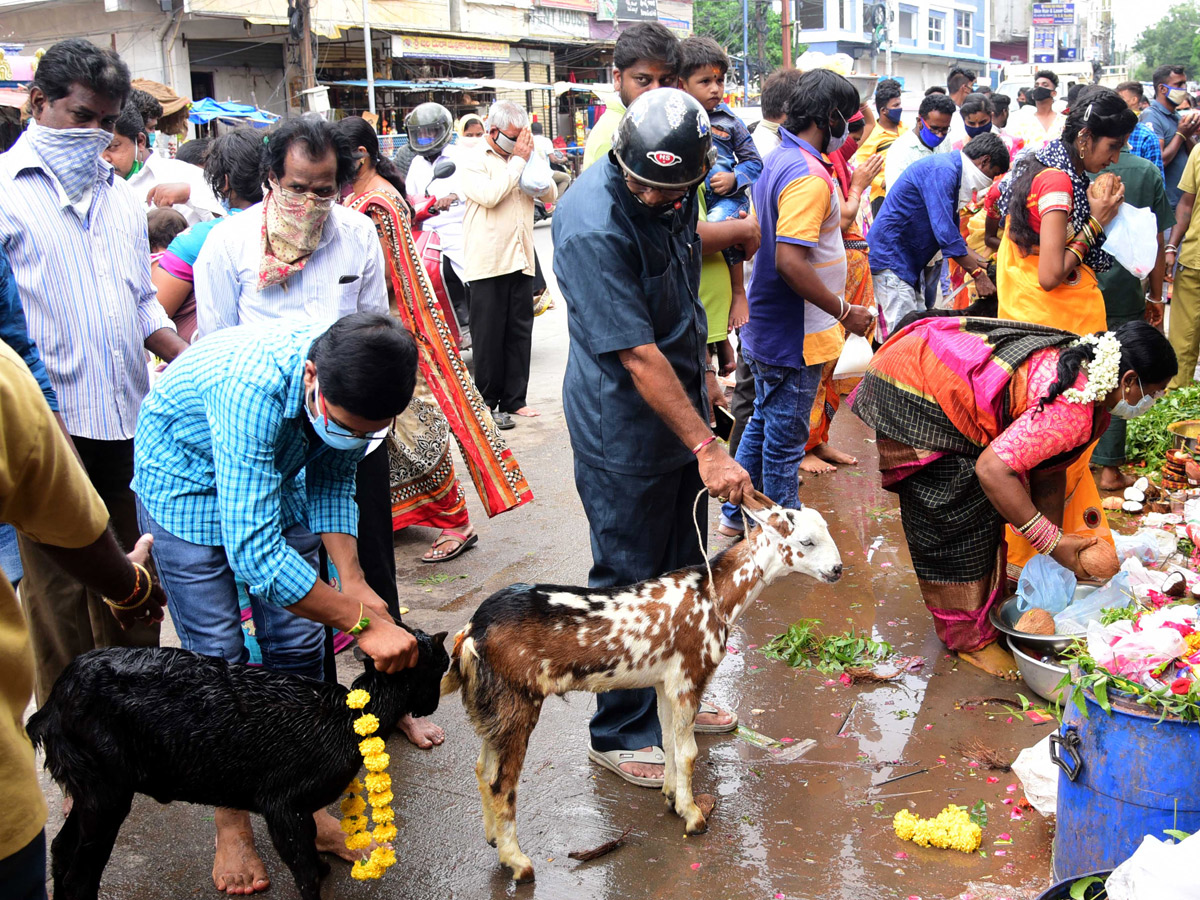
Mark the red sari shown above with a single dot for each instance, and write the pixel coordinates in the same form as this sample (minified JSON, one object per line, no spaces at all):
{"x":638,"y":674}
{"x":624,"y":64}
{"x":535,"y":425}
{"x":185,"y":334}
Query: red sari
{"x":425,"y":488}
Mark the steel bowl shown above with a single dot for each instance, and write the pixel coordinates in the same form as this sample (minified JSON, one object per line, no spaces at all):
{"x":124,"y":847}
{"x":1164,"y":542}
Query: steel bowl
{"x":1004,"y":616}
{"x":865,"y":85}
{"x":1185,"y":435}
{"x":1040,"y":674}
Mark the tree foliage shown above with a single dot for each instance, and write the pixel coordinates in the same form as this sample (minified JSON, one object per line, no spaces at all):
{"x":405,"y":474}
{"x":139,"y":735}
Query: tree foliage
{"x":1172,"y":39}
{"x":721,"y":20}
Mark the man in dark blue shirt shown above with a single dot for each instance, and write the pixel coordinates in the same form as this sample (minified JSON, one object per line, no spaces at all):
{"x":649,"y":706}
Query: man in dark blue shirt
{"x":627,"y":258}
{"x":1176,"y":134}
{"x":919,"y":217}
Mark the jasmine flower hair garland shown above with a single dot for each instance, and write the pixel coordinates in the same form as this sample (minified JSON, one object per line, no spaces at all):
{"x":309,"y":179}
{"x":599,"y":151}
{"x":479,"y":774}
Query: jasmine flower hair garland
{"x":1103,"y":371}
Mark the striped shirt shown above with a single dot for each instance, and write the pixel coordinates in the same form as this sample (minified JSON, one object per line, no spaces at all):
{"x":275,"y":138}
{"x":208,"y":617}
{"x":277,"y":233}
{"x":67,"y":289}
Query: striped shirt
{"x":86,"y":290}
{"x":219,"y":448}
{"x":345,"y":274}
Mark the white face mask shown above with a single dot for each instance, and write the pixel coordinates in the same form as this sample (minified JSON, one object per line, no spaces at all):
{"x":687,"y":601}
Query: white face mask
{"x":835,"y":143}
{"x":973,"y":180}
{"x":1124,"y":410}
{"x":469,"y":142}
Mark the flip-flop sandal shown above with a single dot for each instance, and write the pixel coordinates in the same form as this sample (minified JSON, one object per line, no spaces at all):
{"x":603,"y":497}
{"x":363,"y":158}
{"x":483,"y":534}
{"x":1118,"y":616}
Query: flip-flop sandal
{"x":612,"y":759}
{"x":706,"y":707}
{"x":467,"y":544}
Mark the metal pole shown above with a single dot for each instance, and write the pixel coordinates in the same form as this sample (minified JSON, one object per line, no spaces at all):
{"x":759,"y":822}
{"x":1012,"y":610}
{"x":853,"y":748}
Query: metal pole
{"x":370,"y":58}
{"x":745,"y":50}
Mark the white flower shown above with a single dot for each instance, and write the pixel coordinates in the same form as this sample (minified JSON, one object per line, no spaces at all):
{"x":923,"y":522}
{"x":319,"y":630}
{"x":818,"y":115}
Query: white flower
{"x":1103,"y":372}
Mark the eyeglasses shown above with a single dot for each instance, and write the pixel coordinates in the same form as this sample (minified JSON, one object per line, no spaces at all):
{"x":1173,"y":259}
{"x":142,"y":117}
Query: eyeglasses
{"x":939,"y":131}
{"x":641,"y":189}
{"x":333,"y":426}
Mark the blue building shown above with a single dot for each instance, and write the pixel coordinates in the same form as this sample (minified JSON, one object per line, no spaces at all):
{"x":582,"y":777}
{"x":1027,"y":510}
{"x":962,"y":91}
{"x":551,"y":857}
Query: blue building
{"x":927,"y":37}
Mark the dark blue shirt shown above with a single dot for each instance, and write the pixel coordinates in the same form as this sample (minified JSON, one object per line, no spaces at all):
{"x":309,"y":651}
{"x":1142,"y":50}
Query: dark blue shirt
{"x":15,"y":332}
{"x":1164,"y":123}
{"x":629,"y":278}
{"x":919,"y":218}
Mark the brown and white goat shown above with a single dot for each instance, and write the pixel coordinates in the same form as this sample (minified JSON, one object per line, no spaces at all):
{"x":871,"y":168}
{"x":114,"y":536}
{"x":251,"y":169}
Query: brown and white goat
{"x":527,"y":642}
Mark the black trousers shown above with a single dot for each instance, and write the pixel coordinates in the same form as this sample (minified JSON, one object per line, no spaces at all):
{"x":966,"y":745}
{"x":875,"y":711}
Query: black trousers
{"x":502,"y":338}
{"x":376,"y":554}
{"x":457,"y":292}
{"x":23,"y":874}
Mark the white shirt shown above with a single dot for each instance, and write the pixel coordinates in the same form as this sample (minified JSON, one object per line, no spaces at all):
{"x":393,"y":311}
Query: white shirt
{"x":905,"y":151}
{"x":85,"y":288}
{"x":203,"y":203}
{"x":766,"y":137}
{"x":543,"y":146}
{"x":344,"y":275}
{"x":448,"y":224}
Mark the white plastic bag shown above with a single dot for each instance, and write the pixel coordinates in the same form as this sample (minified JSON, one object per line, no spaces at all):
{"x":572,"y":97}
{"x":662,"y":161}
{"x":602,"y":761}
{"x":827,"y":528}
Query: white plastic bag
{"x":536,"y":177}
{"x":856,"y":356}
{"x":1150,"y":545}
{"x":1133,"y":654}
{"x":1044,"y":584}
{"x":1158,"y":870}
{"x":1133,"y":239}
{"x":1075,"y":618}
{"x":1039,"y":776}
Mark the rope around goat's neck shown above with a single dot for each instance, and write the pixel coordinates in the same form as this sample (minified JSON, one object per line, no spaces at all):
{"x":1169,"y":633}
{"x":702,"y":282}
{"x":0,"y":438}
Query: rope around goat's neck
{"x":712,"y":584}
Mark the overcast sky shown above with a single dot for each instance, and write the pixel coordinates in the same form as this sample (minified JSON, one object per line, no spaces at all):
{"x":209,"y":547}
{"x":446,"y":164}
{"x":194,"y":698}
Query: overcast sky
{"x":1131,"y":16}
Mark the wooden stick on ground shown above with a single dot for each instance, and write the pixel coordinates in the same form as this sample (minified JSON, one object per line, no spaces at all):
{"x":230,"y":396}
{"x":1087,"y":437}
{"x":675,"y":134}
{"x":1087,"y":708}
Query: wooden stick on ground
{"x":602,"y":850}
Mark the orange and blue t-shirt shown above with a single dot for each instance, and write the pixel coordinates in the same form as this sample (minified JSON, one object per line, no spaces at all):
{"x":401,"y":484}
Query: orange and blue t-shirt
{"x":797,"y":203}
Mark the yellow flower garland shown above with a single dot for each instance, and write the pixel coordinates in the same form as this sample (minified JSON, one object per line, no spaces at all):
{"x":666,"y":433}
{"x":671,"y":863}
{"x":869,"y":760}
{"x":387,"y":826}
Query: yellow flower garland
{"x":951,"y":829}
{"x":379,"y":793}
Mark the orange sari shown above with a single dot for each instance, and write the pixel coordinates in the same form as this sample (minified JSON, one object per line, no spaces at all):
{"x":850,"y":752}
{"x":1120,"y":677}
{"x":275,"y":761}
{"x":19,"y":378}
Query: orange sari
{"x":430,"y":496}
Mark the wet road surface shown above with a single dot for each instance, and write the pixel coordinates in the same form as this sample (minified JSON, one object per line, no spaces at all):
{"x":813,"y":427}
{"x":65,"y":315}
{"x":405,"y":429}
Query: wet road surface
{"x":817,"y":826}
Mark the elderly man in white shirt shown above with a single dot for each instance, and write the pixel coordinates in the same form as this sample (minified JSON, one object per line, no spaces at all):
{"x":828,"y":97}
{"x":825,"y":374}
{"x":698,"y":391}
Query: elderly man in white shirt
{"x":157,"y":180}
{"x":315,"y":260}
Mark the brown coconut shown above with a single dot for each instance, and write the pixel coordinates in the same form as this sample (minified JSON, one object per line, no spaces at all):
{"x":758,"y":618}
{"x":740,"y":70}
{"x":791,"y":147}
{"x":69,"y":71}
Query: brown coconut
{"x":1036,"y":621}
{"x":1100,"y":560}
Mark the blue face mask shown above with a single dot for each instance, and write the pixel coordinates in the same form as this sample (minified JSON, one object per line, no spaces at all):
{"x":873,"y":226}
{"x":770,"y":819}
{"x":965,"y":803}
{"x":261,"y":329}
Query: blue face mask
{"x":894,"y":115}
{"x":977,"y":130}
{"x":928,"y":138}
{"x":338,"y":440}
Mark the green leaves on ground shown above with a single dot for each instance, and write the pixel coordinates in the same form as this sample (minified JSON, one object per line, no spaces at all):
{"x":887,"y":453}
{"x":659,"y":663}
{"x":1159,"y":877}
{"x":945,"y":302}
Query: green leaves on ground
{"x":803,"y":648}
{"x":1147,"y":439}
{"x":978,"y":813}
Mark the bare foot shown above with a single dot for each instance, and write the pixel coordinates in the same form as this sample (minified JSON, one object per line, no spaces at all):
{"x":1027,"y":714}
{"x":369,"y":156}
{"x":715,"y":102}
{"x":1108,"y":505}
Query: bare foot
{"x":237,"y":868}
{"x":814,"y":466}
{"x":833,"y":455}
{"x":994,"y":660}
{"x":643,"y":770}
{"x":1113,"y":479}
{"x":331,"y":838}
{"x":527,"y":411}
{"x":739,"y":310}
{"x":720,"y":718}
{"x":726,"y":531}
{"x":421,"y":732}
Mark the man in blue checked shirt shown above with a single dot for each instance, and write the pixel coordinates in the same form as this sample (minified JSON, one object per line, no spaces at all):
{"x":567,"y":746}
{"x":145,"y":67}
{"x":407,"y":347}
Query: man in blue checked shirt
{"x":222,"y":442}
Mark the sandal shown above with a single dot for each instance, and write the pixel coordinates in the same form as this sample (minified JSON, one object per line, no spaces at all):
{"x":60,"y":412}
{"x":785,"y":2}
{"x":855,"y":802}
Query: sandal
{"x":466,"y":542}
{"x":710,"y":709}
{"x":612,"y":759}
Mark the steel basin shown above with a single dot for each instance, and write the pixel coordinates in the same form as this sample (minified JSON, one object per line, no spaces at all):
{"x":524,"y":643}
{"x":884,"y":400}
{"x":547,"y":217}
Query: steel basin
{"x":1185,"y":435}
{"x":1004,"y":617}
{"x":1042,"y":677}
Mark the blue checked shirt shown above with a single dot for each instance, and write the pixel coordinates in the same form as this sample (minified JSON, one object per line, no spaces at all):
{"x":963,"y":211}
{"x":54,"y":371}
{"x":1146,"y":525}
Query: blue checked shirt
{"x":1144,"y":143}
{"x":219,"y":448}
{"x":85,"y":288}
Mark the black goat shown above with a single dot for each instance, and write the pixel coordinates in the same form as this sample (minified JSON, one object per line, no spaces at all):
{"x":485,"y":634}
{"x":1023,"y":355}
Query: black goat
{"x":179,"y":726}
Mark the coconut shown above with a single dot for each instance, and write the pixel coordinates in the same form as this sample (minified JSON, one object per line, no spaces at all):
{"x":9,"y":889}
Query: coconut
{"x":1036,"y":621}
{"x":1131,"y":506}
{"x":1175,"y":585}
{"x":1100,"y":560}
{"x":1112,"y":503}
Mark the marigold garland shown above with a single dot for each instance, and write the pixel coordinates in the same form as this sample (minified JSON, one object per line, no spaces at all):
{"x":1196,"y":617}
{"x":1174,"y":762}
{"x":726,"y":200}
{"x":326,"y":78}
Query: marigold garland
{"x":951,"y":829}
{"x":379,"y":793}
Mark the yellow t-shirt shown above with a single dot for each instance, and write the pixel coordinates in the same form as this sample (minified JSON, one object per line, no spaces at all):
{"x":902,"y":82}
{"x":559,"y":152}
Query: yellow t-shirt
{"x":46,"y":495}
{"x":878,"y":141}
{"x":1189,"y":183}
{"x":716,"y":290}
{"x":599,"y":139}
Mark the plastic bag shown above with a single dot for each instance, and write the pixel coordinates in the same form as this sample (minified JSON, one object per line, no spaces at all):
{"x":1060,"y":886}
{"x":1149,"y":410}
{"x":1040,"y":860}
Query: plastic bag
{"x":1075,"y":618}
{"x":537,"y":176}
{"x":856,"y":356}
{"x":1133,"y":654}
{"x":1158,"y":870}
{"x":1039,"y":776}
{"x":1133,"y":239}
{"x":1044,"y":584}
{"x":1150,"y":545}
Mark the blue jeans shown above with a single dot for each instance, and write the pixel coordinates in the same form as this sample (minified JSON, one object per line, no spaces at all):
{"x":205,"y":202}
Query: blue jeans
{"x":630,"y":546}
{"x":202,"y":596}
{"x":772,"y":445}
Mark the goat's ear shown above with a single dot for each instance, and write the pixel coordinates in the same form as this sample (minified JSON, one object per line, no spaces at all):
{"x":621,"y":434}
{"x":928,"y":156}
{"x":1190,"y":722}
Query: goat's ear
{"x":439,"y":639}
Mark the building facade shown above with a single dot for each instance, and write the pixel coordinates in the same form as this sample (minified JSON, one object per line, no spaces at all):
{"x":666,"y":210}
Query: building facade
{"x":927,"y":38}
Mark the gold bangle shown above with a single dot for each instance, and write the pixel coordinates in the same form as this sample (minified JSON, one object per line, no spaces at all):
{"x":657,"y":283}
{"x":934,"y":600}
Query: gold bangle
{"x":141,"y":595}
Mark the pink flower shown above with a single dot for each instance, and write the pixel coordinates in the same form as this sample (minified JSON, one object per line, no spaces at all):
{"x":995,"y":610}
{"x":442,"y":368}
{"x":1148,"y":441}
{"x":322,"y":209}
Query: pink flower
{"x":992,"y":779}
{"x":901,"y":855}
{"x":846,"y":679}
{"x":1181,"y":685}
{"x":695,"y":866}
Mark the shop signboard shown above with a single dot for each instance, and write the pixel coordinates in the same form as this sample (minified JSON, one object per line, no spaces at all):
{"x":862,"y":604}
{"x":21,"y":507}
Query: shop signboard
{"x":636,"y":10}
{"x":427,"y":47}
{"x":1068,"y":54}
{"x":1054,"y":14}
{"x":555,"y":22}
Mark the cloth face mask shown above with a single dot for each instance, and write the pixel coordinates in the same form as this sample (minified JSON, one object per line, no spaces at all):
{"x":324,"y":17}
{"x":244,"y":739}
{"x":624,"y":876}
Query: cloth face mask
{"x":72,"y":154}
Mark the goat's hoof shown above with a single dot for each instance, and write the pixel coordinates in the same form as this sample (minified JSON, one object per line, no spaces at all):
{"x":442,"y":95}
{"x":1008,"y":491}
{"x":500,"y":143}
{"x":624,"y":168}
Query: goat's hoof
{"x":669,"y":800}
{"x":522,"y":871}
{"x":491,"y":842}
{"x":697,"y":827}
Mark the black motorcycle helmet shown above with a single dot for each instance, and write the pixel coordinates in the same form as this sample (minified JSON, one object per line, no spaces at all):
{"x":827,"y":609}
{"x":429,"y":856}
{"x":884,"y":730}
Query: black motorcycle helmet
{"x":429,"y":128}
{"x":664,"y":140}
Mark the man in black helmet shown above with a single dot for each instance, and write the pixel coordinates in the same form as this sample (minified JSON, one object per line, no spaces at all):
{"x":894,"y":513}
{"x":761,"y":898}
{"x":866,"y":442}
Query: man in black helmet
{"x":627,"y":257}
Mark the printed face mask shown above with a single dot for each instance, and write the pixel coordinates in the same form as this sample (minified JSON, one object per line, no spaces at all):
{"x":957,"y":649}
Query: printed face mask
{"x":295,"y":222}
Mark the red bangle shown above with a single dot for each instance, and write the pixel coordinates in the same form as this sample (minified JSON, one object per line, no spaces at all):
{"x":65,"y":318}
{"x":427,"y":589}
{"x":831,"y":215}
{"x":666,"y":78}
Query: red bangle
{"x":704,"y":443}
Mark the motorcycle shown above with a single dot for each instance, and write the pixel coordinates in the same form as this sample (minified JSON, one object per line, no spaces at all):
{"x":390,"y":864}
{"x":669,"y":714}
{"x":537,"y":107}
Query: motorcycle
{"x":430,"y":250}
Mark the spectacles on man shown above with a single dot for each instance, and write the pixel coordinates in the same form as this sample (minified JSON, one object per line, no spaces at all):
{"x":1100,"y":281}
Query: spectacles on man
{"x":641,"y":189}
